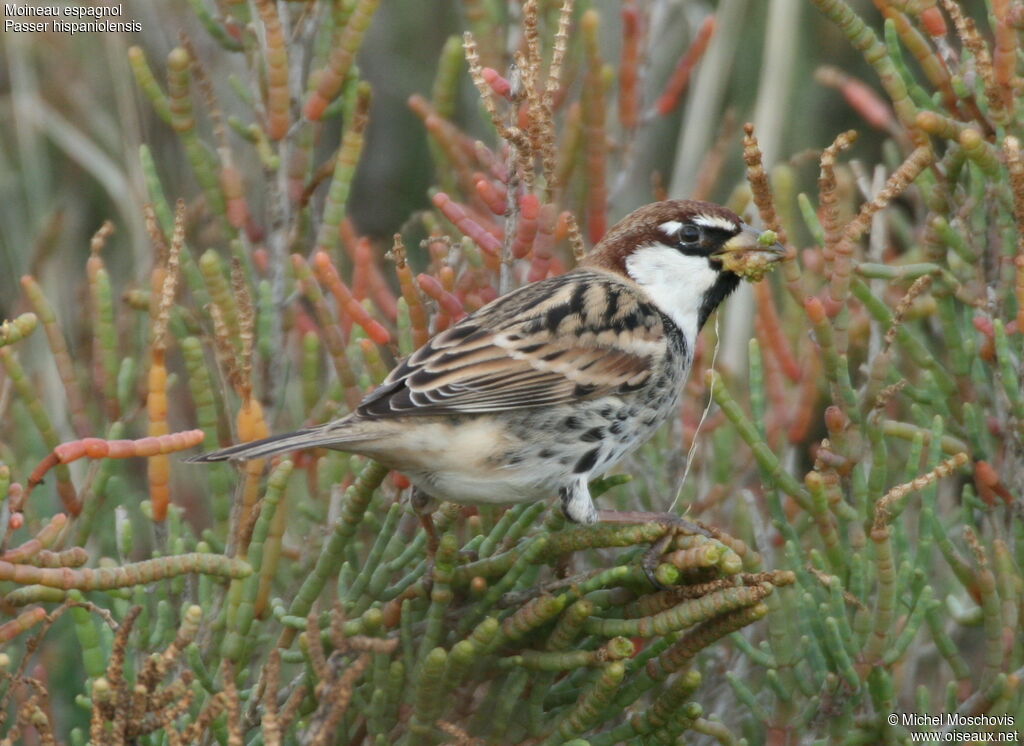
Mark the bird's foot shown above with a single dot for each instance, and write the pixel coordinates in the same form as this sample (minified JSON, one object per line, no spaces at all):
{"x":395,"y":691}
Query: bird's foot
{"x":675,"y":525}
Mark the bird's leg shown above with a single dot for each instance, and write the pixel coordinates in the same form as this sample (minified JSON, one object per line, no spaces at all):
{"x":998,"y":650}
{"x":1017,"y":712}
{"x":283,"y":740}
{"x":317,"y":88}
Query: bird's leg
{"x":674,"y":525}
{"x":422,"y":503}
{"x":577,"y":505}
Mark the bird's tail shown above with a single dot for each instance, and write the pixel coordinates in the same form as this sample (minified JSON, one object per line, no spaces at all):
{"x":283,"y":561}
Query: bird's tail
{"x":313,"y":437}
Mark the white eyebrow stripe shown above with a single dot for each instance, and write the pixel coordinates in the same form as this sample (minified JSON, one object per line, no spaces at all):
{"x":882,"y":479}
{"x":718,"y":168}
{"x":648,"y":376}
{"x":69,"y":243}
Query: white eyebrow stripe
{"x":715,"y":221}
{"x":670,"y":228}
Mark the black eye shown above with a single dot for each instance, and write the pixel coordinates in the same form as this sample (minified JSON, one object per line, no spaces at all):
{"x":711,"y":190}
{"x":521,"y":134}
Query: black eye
{"x":689,"y":233}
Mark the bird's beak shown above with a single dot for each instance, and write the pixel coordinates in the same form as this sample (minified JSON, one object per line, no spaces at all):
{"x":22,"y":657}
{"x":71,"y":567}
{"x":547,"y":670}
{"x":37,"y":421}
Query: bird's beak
{"x":750,"y":253}
{"x":749,"y":239}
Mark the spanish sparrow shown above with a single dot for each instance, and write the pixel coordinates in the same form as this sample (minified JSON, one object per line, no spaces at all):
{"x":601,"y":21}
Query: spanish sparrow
{"x":550,"y":385}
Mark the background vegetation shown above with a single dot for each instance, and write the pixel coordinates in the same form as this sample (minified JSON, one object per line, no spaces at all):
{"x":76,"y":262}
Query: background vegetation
{"x":861,"y":457}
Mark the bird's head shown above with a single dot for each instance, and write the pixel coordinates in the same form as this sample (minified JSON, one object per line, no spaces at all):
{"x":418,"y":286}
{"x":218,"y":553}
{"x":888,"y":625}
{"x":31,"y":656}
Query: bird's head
{"x":688,"y":256}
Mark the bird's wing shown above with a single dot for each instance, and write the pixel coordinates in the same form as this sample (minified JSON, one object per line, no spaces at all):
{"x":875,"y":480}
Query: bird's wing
{"x":582,"y":335}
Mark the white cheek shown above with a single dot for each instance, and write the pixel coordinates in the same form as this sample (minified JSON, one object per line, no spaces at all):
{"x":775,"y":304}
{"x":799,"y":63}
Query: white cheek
{"x":674,"y":281}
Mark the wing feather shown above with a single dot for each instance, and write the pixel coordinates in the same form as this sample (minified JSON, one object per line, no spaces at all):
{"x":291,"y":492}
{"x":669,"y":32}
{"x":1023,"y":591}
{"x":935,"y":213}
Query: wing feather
{"x":587,"y":333}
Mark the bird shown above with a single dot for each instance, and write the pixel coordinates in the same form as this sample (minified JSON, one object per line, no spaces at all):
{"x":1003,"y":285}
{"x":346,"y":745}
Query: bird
{"x":550,"y":385}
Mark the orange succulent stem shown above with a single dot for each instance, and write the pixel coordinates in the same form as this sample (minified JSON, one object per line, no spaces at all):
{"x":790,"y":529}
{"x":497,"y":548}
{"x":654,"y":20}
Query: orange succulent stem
{"x":95,"y":448}
{"x":275,"y":55}
{"x":468,"y":225}
{"x":333,"y":337}
{"x":166,"y":274}
{"x":451,"y":306}
{"x":1004,"y":57}
{"x":158,"y":468}
{"x":446,"y":276}
{"x":328,"y":276}
{"x":680,"y":80}
{"x":362,"y":255}
{"x":495,"y":196}
{"x":629,"y":78}
{"x":44,"y":539}
{"x":251,"y":426}
{"x":772,"y":334}
{"x":73,"y":450}
{"x":526,"y":230}
{"x":360,"y":270}
{"x":411,"y":294}
{"x":234,"y":192}
{"x":22,"y":623}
